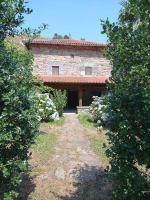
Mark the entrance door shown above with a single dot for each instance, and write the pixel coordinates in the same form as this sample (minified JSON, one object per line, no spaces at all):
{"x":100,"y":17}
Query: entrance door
{"x":72,"y":102}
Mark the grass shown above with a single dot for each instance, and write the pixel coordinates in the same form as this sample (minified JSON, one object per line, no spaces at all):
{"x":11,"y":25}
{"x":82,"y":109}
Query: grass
{"x":43,"y":147}
{"x":86,"y":120}
{"x":97,"y":144}
{"x":56,"y":123}
{"x":45,"y":142}
{"x":59,"y":122}
{"x":97,"y":140}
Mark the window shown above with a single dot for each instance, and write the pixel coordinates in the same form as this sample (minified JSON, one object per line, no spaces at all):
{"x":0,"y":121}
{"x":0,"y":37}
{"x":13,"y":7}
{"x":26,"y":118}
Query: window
{"x":55,"y":70}
{"x":88,"y":70}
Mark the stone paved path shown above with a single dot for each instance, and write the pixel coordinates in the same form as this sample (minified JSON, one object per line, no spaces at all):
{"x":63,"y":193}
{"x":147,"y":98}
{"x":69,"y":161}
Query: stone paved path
{"x":74,"y":171}
{"x":73,"y":153}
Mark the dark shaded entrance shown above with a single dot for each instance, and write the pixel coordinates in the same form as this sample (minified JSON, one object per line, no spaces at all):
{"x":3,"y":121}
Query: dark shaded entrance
{"x":72,"y":101}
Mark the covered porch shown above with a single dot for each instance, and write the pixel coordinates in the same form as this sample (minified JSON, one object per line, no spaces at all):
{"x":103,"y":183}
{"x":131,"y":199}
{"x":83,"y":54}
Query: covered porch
{"x":80,"y":90}
{"x":79,"y":98}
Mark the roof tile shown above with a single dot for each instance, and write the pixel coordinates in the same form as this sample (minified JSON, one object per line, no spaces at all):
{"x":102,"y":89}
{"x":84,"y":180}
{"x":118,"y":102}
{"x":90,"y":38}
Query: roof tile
{"x":67,"y":42}
{"x":74,"y":79}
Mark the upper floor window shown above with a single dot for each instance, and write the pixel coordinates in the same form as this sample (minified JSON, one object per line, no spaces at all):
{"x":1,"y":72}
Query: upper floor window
{"x":55,"y":70}
{"x":88,"y":70}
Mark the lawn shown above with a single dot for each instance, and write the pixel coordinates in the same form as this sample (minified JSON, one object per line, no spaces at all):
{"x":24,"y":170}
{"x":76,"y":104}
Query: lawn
{"x":97,"y":138}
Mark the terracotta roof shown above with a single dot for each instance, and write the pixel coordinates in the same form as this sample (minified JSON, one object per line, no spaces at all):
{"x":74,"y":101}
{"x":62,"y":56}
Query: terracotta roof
{"x":66,"y":42}
{"x":74,"y":79}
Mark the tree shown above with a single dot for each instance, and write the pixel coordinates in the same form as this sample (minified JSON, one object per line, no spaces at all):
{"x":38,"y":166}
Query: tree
{"x":58,"y":36}
{"x":128,"y":102}
{"x":67,"y":36}
{"x":11,"y":17}
{"x":18,"y":120}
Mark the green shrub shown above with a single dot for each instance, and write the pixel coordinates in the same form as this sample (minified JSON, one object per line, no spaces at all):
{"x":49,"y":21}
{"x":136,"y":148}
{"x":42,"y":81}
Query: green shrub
{"x":129,"y":100}
{"x":18,"y":120}
{"x":59,"y":98}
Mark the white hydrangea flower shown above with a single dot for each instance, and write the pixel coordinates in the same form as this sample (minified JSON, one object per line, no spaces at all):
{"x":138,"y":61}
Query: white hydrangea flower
{"x":55,"y":116}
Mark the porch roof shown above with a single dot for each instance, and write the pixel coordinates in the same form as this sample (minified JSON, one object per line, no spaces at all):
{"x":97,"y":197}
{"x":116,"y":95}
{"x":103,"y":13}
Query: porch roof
{"x":74,"y":79}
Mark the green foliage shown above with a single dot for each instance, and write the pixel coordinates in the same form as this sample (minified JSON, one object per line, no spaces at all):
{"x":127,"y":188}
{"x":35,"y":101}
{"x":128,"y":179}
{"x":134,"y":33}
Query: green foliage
{"x":56,"y":123}
{"x":19,"y":122}
{"x":97,"y":141}
{"x":59,"y":122}
{"x":43,"y":146}
{"x":59,"y":98}
{"x":12,"y":16}
{"x":31,"y":34}
{"x":58,"y":36}
{"x":128,"y":101}
{"x":86,"y":120}
{"x":40,"y":87}
{"x":97,"y":144}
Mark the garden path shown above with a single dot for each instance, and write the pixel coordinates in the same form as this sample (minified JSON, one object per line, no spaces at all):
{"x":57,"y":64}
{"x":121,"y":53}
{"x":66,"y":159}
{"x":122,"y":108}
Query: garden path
{"x":74,"y":171}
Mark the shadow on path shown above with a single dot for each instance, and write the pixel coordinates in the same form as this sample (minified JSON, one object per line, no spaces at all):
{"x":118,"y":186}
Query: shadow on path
{"x":90,"y":184}
{"x":26,"y":187}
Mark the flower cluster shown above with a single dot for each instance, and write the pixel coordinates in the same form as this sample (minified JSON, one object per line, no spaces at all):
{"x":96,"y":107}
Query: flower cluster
{"x":46,"y":109}
{"x":97,"y":110}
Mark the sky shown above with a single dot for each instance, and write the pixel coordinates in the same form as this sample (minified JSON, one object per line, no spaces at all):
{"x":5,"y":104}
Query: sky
{"x":80,"y":18}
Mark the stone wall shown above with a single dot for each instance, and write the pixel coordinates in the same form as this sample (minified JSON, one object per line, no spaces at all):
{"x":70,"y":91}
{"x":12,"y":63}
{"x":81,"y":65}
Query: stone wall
{"x":70,"y":62}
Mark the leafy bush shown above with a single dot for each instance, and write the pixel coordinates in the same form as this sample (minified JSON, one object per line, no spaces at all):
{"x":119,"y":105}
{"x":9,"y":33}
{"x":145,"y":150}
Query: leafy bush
{"x":45,"y":108}
{"x":18,"y":120}
{"x":59,"y":98}
{"x":129,"y":88}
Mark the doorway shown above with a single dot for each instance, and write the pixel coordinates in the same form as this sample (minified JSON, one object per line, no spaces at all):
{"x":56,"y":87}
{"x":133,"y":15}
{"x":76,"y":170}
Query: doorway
{"x":72,"y":99}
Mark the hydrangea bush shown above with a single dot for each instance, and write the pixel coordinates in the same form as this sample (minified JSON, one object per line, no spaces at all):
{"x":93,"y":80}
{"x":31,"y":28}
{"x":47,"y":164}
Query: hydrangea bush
{"x":97,"y":108}
{"x":45,"y":108}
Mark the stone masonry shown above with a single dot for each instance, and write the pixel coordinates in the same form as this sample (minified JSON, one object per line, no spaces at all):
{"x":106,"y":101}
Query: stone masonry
{"x":70,"y":61}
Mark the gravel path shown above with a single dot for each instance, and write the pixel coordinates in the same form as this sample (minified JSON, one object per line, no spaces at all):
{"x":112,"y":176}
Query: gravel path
{"x":74,"y":171}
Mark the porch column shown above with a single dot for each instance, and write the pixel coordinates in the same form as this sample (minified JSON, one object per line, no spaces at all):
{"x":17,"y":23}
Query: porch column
{"x":80,"y":97}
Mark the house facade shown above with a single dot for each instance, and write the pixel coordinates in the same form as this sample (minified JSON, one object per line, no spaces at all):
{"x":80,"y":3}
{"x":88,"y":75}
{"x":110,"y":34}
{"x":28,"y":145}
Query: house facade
{"x":77,"y":66}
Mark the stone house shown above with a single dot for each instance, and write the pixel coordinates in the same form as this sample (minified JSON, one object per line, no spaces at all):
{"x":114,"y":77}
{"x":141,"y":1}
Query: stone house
{"x":77,"y":66}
